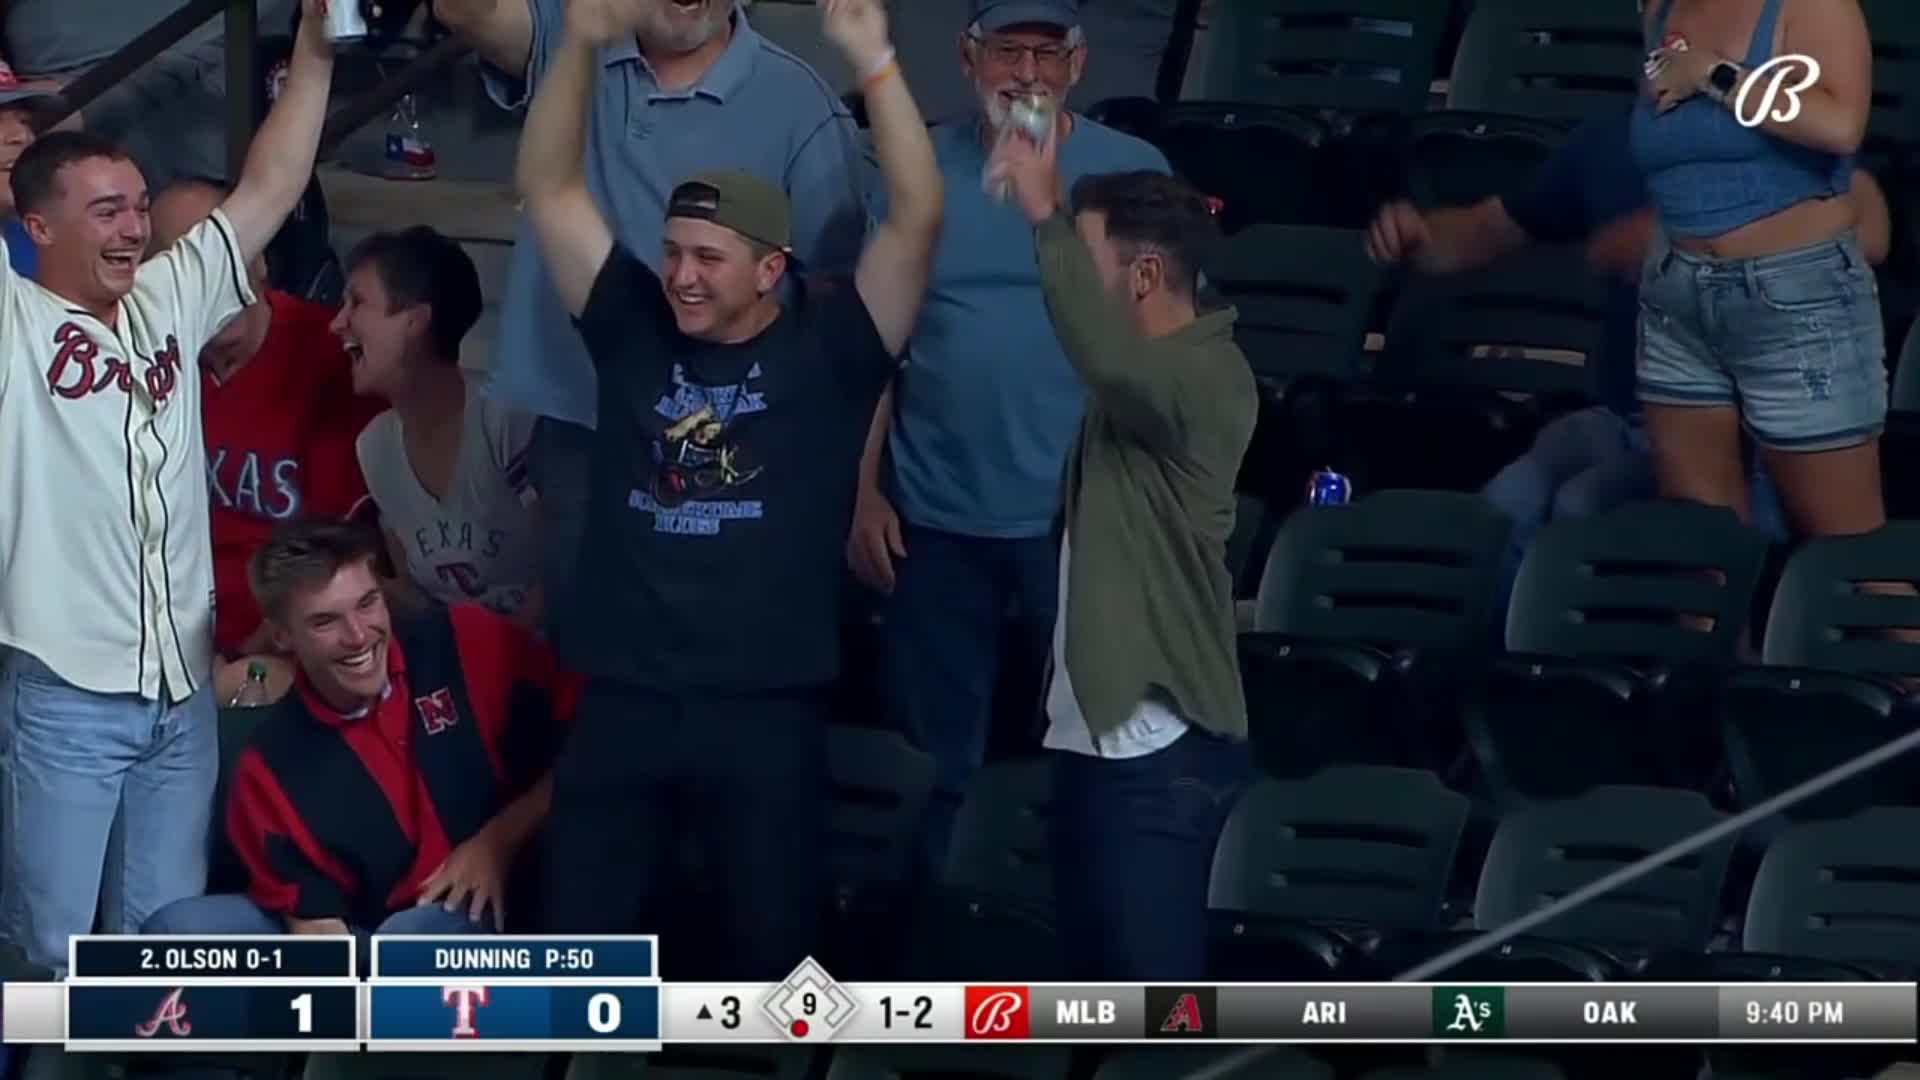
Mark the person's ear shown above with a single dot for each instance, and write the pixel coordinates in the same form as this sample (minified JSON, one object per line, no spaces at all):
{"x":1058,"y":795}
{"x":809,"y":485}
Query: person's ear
{"x":1149,"y":273}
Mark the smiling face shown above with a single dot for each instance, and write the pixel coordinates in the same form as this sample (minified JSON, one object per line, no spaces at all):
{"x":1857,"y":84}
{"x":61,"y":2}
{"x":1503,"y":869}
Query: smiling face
{"x":714,"y":279}
{"x":1021,"y":61}
{"x":681,"y":26}
{"x":92,"y":230}
{"x":380,"y":341}
{"x":338,"y":633}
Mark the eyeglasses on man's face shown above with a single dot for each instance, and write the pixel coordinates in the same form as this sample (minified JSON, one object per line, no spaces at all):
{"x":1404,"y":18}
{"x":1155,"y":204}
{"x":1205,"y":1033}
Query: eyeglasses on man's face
{"x":1006,"y":52}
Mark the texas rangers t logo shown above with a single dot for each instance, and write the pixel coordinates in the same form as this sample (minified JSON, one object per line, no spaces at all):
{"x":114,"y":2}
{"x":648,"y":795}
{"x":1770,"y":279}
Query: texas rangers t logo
{"x":172,"y":1013}
{"x":466,"y":1002}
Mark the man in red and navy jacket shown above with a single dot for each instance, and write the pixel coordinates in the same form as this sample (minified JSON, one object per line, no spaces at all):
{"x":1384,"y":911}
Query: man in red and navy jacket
{"x":393,"y":789}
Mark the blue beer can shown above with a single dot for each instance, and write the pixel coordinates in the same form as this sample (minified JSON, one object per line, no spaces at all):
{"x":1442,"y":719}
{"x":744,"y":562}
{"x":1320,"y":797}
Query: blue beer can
{"x":1329,"y":488}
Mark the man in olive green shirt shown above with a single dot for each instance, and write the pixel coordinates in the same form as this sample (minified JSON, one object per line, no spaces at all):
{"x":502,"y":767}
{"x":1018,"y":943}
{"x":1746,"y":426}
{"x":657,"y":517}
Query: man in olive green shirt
{"x":1146,"y":718}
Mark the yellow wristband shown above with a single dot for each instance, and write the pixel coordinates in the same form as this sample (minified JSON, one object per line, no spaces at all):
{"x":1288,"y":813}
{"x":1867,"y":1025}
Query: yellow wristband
{"x":881,"y":71}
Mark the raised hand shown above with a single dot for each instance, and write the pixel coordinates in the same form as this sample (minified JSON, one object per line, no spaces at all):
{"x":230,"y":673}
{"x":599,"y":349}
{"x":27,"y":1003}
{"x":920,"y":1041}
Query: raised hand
{"x":601,"y":21}
{"x":1029,"y":172}
{"x":313,"y":25}
{"x":859,"y":27}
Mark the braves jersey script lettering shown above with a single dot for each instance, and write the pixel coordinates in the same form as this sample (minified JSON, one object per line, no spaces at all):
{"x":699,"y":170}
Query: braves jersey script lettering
{"x":108,"y":574}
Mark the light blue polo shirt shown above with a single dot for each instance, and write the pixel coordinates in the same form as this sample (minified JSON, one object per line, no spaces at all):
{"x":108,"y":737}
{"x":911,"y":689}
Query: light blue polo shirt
{"x":987,"y":406}
{"x":759,"y":109}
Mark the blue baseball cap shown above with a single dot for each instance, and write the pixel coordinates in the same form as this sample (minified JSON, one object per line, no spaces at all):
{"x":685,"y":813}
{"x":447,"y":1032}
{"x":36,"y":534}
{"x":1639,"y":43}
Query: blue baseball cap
{"x":993,"y":15}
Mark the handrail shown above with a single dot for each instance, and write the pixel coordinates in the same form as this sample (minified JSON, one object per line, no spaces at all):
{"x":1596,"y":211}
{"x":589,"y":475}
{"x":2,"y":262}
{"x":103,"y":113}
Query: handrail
{"x":162,"y":36}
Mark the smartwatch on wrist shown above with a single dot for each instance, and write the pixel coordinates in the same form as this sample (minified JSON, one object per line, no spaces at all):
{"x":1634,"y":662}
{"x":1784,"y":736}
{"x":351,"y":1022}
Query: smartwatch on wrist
{"x":1722,"y":79}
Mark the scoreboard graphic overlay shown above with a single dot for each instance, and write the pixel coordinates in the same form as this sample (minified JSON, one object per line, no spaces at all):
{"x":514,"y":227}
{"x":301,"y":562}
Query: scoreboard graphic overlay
{"x":603,"y":994}
{"x":593,"y":994}
{"x":216,"y":993}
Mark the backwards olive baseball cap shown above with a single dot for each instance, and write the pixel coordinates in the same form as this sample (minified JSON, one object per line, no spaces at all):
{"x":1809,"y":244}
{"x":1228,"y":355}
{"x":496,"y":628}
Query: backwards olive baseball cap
{"x":739,"y":201}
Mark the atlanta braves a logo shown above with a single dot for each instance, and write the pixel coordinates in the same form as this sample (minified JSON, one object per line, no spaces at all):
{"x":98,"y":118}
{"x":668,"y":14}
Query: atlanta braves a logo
{"x":436,"y":710}
{"x":172,"y":1014}
{"x":78,"y":370}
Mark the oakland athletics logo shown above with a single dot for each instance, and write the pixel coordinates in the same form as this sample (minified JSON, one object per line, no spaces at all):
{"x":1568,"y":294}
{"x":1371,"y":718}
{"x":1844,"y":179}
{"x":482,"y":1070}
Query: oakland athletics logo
{"x":1783,"y":68}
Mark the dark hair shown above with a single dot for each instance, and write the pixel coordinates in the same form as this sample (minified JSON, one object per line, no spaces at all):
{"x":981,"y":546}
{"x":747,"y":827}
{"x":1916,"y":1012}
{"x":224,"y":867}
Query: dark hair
{"x":36,"y":175}
{"x":423,"y":266}
{"x":306,"y":554}
{"x":1154,"y":211}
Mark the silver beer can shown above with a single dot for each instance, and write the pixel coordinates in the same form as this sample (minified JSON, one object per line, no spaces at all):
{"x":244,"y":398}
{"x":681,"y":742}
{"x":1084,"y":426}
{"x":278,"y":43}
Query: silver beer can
{"x":346,"y":23}
{"x":1033,"y":115}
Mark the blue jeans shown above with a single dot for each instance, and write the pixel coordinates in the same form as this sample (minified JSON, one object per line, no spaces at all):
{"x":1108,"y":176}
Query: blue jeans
{"x":233,"y":913}
{"x":1793,"y":340}
{"x":1585,"y":463}
{"x":943,"y":643}
{"x":1131,"y":844}
{"x":109,"y":801}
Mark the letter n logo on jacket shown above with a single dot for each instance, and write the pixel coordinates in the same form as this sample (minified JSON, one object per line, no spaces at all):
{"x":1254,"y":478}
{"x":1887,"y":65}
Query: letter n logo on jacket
{"x":437,"y":713}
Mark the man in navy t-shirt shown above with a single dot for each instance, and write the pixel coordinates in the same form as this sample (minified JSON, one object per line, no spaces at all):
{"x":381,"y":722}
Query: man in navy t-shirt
{"x":1589,"y":192}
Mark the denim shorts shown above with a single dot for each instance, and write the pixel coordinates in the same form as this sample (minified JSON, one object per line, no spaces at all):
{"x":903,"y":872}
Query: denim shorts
{"x":1793,"y":339}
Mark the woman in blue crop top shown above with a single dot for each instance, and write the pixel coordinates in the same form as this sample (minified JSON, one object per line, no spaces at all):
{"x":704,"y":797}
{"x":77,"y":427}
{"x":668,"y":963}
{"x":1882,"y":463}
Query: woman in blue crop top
{"x":1758,"y":309}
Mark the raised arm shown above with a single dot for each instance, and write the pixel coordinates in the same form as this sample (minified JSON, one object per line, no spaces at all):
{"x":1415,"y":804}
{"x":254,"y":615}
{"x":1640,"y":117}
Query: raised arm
{"x":501,"y":31}
{"x":574,"y":236}
{"x":279,"y":163}
{"x":892,"y":273}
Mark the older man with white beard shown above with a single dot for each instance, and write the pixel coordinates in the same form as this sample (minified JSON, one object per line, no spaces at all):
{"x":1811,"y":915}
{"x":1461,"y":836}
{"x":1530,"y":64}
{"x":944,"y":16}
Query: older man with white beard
{"x":960,"y":482}
{"x":694,"y":89}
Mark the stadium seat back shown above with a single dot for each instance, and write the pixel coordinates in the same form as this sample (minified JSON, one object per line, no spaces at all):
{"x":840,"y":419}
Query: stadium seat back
{"x":684,"y":1062}
{"x":1474,"y":1067}
{"x":944,"y":1062}
{"x":1395,"y":569}
{"x":1822,"y":616}
{"x":1209,"y":143}
{"x":1532,"y":323}
{"x":1548,"y":850}
{"x":1784,"y":726}
{"x":1346,"y":56}
{"x":1458,"y":158}
{"x":1304,"y":295}
{"x":999,"y":843}
{"x":1561,"y":61}
{"x":1906,"y":373}
{"x":1362,"y":844}
{"x":1894,"y":28}
{"x":1175,"y":1062}
{"x":1846,"y":891}
{"x":1618,"y":585}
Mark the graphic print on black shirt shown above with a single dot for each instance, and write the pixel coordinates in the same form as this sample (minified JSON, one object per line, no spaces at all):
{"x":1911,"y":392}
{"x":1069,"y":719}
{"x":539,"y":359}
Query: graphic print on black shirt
{"x":701,"y":470}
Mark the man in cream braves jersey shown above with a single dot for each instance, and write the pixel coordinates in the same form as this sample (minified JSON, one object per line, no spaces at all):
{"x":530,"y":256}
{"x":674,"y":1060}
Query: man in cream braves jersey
{"x":105,"y":561}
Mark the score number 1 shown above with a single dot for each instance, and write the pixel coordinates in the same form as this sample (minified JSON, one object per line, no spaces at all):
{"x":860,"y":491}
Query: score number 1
{"x":302,"y":1007}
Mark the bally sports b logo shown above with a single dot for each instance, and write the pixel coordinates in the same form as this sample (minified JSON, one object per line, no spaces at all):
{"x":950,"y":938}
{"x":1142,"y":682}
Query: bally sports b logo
{"x":998,"y":1012}
{"x":1781,"y":68}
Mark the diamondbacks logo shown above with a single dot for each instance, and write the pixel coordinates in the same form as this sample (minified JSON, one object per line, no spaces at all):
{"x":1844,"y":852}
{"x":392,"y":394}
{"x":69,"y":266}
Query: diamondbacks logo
{"x":467,"y":1001}
{"x":436,"y":710}
{"x":172,"y":1015}
{"x":1182,"y":1012}
{"x":998,"y":1012}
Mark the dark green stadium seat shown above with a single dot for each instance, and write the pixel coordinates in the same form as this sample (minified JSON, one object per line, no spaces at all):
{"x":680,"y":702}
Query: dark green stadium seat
{"x":1824,"y":696}
{"x":1177,"y":1062}
{"x":1304,"y":295}
{"x":1345,"y":56}
{"x":880,"y":789}
{"x":53,"y":1063}
{"x":1549,"y":850}
{"x":1607,"y":681}
{"x":1461,"y":347}
{"x":1562,"y":61}
{"x":1475,"y":1067}
{"x":1209,"y":144}
{"x":1906,"y":374}
{"x":684,"y":1062}
{"x":1348,"y":595}
{"x":1306,"y":869}
{"x":950,"y":1063}
{"x":425,"y":1066}
{"x":992,"y":911}
{"x":1846,"y":891}
{"x":1459,"y":157}
{"x":1894,"y":27}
